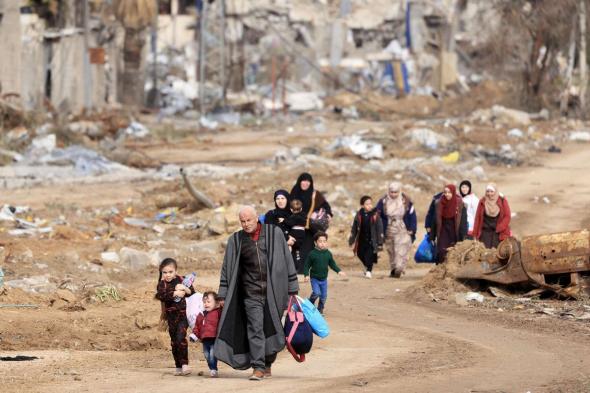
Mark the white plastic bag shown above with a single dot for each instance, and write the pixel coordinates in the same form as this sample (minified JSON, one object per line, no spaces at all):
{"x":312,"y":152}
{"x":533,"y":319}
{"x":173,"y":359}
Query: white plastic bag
{"x":194,"y":306}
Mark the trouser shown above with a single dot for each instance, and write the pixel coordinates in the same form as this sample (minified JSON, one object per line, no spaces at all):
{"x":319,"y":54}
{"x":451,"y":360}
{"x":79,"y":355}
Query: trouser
{"x":177,"y":325}
{"x":255,"y":330}
{"x":398,"y":244}
{"x":319,"y":289}
{"x":208,"y":344}
{"x":367,"y":255}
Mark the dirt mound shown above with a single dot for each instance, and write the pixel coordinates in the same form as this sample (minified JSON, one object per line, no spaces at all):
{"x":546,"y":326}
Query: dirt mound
{"x":440,"y":282}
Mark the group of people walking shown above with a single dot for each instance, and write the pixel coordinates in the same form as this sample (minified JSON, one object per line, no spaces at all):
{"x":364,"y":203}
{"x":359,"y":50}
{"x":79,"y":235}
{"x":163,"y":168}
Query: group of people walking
{"x":241,"y":324}
{"x":455,"y":214}
{"x":453,"y":217}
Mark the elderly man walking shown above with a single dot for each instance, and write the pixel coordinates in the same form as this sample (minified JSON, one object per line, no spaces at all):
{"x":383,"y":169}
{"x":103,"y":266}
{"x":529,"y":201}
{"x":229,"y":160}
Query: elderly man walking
{"x":257,"y":277}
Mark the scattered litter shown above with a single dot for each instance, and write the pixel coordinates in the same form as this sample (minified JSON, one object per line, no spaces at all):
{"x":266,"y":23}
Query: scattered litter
{"x":451,"y":158}
{"x":427,"y":138}
{"x":168,"y":215}
{"x":136,"y":130}
{"x":208,"y":123}
{"x":474,"y":296}
{"x":355,"y":143}
{"x":580,"y":136}
{"x":515,"y":133}
{"x":30,"y":231}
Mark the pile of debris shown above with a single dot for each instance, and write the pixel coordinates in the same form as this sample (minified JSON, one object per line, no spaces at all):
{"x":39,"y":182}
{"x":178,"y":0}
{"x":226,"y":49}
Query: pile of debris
{"x":555,"y":265}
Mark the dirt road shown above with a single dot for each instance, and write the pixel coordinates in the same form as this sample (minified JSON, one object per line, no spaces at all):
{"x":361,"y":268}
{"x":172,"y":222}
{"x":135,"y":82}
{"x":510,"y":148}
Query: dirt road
{"x":382,"y":340}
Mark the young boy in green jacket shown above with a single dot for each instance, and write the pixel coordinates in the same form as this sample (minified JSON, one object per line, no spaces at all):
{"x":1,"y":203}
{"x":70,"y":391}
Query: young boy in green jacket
{"x":316,"y":266}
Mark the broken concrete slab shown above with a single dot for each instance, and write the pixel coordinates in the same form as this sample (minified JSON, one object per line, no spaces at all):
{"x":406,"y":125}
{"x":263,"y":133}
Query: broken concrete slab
{"x":510,"y":116}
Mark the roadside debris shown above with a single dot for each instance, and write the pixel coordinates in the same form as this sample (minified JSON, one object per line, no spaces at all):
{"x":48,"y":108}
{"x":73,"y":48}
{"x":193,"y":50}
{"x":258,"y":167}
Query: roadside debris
{"x":358,"y":146}
{"x":198,"y":195}
{"x":557,"y":262}
{"x":580,"y":136}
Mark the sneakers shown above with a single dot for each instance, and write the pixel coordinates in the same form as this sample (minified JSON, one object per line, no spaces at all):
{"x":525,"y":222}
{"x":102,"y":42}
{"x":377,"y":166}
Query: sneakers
{"x":178,"y":372}
{"x":267,"y":373}
{"x":213,"y":373}
{"x":368,"y":274}
{"x":186,"y":370}
{"x":257,"y":375}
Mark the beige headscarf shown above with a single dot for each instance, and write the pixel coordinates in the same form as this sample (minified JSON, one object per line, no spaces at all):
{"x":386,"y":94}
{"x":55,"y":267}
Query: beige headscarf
{"x":394,"y":207}
{"x":491,"y":203}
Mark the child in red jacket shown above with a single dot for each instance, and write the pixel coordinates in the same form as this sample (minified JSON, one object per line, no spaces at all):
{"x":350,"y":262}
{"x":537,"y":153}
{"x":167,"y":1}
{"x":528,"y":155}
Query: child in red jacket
{"x":205,"y":329}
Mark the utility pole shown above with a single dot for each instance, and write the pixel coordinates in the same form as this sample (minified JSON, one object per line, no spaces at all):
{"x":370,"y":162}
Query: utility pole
{"x":173,"y":14}
{"x":86,"y":60}
{"x":222,"y":53}
{"x":583,"y":63}
{"x":202,"y":58}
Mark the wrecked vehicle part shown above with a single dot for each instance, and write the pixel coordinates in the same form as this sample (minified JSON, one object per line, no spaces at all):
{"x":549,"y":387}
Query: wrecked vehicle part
{"x":198,"y":195}
{"x":559,"y":262}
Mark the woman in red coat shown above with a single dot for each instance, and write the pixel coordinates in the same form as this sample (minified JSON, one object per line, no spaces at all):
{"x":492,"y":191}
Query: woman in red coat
{"x":450,"y":226}
{"x":492,"y":220}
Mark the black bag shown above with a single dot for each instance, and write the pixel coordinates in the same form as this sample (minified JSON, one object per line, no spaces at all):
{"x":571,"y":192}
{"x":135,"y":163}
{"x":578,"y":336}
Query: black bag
{"x":298,"y":332}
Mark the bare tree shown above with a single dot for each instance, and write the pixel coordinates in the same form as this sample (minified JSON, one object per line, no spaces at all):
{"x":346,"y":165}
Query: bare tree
{"x":532,"y":34}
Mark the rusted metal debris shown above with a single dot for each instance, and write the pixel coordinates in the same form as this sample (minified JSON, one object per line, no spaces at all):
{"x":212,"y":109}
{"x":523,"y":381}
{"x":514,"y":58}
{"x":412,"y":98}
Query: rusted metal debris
{"x":559,"y":262}
{"x":198,"y":195}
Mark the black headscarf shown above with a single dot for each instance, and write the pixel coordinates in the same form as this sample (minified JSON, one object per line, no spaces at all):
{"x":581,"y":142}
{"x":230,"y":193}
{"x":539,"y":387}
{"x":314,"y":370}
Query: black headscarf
{"x":303,"y":196}
{"x":467,"y":183}
{"x":278,"y":212}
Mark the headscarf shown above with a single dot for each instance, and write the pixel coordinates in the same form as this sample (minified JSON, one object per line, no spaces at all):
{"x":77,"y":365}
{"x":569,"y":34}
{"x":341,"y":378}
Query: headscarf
{"x":491,"y":203}
{"x":449,"y":206}
{"x":304,"y":196}
{"x":394,"y":206}
{"x":282,"y":213}
{"x":465,"y":183}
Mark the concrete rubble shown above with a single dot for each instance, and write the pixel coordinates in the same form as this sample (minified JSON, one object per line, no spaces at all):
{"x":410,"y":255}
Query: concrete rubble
{"x":354,"y":96}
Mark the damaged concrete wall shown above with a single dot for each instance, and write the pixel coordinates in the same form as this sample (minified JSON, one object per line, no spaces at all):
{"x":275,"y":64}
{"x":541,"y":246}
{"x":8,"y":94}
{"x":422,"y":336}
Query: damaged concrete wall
{"x":10,"y":46}
{"x":34,"y":60}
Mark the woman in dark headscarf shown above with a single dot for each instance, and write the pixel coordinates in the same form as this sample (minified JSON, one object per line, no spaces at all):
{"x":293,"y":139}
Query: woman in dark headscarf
{"x":304,"y":191}
{"x":451,"y":221}
{"x":313,"y":201}
{"x":280,"y":213}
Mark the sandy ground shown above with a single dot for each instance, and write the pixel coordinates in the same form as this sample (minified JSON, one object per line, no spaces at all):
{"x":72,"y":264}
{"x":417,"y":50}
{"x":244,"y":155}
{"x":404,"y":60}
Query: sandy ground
{"x":382,"y":339}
